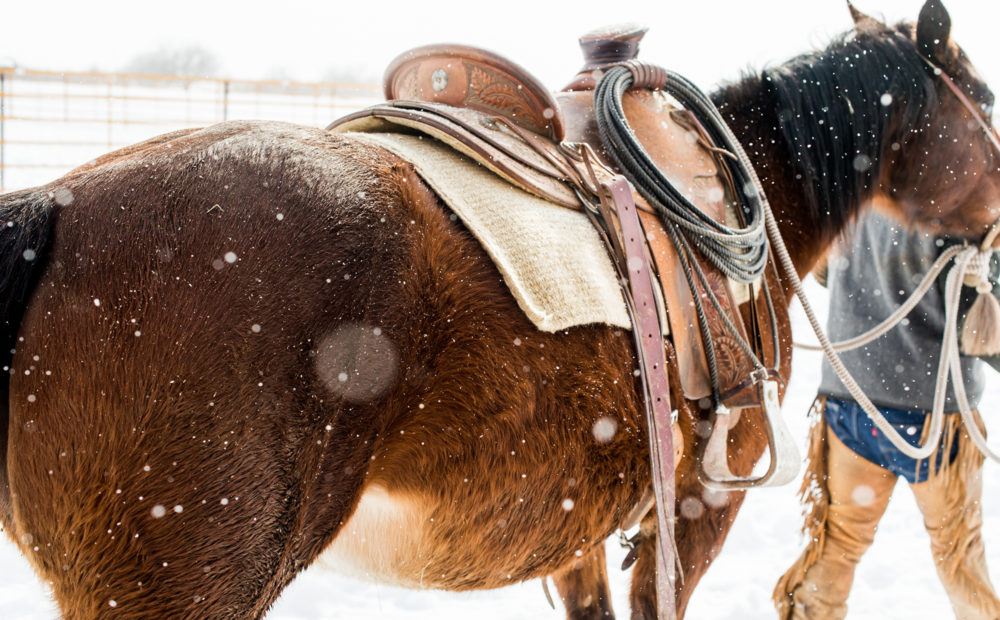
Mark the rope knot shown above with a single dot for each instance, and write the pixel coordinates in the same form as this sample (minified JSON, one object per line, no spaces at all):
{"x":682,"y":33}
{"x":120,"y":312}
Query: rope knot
{"x":977,"y":271}
{"x":981,"y":332}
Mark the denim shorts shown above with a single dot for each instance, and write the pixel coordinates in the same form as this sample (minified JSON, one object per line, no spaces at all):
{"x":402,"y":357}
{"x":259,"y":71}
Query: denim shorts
{"x":854,"y":428}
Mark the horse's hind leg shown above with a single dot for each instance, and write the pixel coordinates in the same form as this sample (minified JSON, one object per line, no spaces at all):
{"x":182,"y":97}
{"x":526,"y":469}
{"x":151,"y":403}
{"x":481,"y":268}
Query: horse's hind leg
{"x":202,"y":518}
{"x":642,"y":595}
{"x":699,"y":540}
{"x":583,"y":587}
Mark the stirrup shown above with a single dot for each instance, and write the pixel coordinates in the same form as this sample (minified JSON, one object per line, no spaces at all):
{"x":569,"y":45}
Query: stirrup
{"x":714,"y":470}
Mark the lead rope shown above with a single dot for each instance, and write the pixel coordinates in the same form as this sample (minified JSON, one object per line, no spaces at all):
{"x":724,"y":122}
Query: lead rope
{"x":971,"y":264}
{"x":774,"y":234}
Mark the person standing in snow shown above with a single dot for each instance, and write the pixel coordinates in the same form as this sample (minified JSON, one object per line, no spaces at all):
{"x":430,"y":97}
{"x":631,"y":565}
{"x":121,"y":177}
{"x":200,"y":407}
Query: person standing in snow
{"x":853,"y":467}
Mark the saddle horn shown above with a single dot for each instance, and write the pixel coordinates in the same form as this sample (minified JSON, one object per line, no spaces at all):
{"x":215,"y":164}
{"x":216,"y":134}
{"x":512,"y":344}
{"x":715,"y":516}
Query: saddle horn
{"x":611,"y":45}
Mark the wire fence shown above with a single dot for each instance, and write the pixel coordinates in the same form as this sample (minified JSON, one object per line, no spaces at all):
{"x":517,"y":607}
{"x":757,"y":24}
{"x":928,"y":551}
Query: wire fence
{"x":52,"y":122}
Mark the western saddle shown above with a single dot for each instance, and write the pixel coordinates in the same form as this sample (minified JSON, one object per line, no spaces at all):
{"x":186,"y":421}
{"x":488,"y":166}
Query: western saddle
{"x":496,"y":113}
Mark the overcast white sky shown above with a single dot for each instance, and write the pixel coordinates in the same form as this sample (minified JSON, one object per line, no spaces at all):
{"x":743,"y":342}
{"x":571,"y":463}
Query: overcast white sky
{"x":707,"y":40}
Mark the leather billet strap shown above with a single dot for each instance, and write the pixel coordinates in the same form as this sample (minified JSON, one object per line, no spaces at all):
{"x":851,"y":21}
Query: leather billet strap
{"x":627,"y":241}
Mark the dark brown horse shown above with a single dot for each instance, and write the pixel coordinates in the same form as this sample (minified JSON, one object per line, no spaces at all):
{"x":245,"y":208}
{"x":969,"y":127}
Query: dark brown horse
{"x":240,"y":348}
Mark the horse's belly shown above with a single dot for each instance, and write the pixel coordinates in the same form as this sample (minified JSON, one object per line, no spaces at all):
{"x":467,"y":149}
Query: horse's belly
{"x":384,"y":540}
{"x":407,"y":539}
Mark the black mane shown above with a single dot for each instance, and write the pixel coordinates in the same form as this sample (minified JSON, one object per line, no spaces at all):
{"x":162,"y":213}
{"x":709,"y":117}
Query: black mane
{"x":832,"y":118}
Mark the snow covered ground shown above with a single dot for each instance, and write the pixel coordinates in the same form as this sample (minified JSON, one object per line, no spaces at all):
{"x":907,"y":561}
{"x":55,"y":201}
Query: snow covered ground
{"x":895,"y":580}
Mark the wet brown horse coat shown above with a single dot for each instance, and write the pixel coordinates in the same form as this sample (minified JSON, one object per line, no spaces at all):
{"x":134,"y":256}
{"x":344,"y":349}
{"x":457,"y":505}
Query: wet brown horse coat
{"x":232,"y":335}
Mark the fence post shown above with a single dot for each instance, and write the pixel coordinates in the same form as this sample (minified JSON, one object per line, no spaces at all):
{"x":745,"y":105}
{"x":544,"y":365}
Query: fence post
{"x":110,"y":108}
{"x":3,"y":120}
{"x":225,"y":100}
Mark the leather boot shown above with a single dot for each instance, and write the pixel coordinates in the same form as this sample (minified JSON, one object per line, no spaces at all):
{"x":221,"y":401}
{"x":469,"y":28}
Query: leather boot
{"x":859,"y":493}
{"x":950,"y":504}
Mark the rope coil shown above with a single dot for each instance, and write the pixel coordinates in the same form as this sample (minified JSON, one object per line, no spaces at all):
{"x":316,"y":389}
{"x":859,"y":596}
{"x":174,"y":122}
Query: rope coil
{"x":739,"y":253}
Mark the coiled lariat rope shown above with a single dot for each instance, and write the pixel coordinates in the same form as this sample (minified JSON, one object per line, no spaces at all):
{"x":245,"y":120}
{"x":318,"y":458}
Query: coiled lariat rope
{"x":739,"y":253}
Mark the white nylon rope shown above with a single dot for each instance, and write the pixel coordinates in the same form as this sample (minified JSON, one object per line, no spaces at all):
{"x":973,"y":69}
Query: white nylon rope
{"x":970,"y":264}
{"x":897,"y":316}
{"x":949,"y":356}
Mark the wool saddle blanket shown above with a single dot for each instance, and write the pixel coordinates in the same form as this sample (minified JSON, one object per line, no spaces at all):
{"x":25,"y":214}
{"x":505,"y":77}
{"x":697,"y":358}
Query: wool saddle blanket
{"x":551,"y":257}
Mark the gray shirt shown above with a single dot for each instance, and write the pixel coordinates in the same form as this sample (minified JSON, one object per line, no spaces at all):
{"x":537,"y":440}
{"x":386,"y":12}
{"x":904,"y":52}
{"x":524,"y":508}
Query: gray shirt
{"x":873,"y":272}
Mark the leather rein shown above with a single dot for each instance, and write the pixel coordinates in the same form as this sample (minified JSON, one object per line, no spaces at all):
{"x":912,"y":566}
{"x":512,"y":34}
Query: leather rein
{"x":976,"y":111}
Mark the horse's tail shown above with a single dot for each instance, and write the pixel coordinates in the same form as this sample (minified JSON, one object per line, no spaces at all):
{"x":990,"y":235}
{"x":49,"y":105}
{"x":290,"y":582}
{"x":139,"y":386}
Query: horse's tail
{"x":26,"y":223}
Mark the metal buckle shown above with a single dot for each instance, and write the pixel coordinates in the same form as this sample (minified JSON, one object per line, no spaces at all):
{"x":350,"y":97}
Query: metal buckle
{"x":759,"y":374}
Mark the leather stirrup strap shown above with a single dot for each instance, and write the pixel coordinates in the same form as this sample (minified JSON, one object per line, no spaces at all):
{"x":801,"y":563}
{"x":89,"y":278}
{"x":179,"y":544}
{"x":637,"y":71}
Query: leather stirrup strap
{"x":648,"y":332}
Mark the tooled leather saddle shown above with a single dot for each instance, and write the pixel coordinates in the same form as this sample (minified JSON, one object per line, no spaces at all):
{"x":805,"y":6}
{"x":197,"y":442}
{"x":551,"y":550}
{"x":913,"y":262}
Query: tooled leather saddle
{"x":496,"y":113}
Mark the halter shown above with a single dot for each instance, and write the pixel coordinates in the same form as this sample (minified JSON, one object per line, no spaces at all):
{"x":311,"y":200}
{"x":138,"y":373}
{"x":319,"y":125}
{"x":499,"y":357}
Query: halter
{"x":977,"y":113}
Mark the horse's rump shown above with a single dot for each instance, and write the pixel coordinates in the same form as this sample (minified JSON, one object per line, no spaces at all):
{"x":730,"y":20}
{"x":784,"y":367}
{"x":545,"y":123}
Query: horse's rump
{"x":316,"y":320}
{"x":221,"y":254}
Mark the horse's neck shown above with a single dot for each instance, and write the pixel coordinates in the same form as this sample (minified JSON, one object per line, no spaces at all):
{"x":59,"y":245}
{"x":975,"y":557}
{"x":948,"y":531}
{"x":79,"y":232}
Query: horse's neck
{"x":752,"y":113}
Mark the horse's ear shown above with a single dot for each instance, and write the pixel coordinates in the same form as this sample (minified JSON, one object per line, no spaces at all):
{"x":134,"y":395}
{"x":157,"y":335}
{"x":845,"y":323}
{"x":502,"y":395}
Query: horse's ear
{"x":933,"y":28}
{"x":862,"y":20}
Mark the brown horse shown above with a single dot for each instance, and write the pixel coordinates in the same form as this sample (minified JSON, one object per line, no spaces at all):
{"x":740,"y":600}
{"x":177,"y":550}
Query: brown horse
{"x":240,"y":348}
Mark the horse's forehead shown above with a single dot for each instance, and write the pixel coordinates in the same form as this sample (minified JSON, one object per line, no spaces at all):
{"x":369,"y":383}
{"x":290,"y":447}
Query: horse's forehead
{"x":976,"y":84}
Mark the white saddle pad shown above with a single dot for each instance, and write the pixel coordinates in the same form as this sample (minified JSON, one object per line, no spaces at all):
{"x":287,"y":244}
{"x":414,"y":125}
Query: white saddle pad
{"x":551,"y":257}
